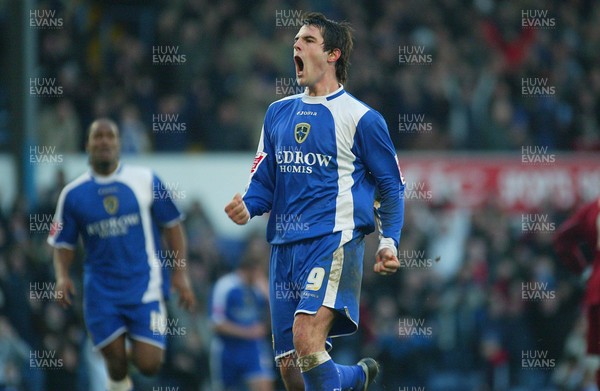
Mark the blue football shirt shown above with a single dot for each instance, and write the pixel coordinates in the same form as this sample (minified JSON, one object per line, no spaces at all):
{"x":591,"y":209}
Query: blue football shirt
{"x":319,"y":162}
{"x":239,"y":303}
{"x":118,"y":218}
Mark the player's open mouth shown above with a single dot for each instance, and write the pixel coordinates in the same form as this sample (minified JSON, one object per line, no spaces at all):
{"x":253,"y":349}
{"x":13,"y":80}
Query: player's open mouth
{"x":299,"y":64}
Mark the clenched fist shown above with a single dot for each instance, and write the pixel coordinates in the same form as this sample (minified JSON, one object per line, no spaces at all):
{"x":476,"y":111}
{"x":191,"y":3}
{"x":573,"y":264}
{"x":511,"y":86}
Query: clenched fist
{"x":237,"y":211}
{"x":386,"y":262}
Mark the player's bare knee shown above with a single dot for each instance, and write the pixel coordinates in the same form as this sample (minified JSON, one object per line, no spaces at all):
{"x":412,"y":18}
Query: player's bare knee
{"x":306,"y":338}
{"x":301,"y":330}
{"x":147,"y":359}
{"x":149,"y":367}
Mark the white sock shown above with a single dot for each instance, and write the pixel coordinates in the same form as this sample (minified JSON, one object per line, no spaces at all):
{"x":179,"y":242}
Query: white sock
{"x":121,"y":385}
{"x":308,"y":362}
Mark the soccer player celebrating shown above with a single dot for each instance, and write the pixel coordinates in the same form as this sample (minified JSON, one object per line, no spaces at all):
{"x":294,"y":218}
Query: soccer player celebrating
{"x":322,"y":155}
{"x":119,"y":212}
{"x":583,"y":228}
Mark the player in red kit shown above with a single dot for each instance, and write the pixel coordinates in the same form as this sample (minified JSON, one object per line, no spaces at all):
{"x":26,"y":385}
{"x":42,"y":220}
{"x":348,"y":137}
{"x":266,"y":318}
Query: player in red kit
{"x":582,"y":229}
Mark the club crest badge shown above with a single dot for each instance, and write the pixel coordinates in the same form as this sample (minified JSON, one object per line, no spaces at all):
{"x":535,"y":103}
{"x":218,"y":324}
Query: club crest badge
{"x":301,"y":132}
{"x":111,"y":204}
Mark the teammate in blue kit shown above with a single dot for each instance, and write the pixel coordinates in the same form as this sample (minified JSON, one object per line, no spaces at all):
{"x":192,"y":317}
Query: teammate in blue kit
{"x":240,"y":354}
{"x":322,"y":155}
{"x":119,"y":215}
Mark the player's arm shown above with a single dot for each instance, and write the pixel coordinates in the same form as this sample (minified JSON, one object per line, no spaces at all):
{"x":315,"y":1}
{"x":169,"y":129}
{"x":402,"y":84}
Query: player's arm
{"x":258,"y":198}
{"x":176,"y":241}
{"x":379,"y":155}
{"x":567,"y":238}
{"x":166,"y":214}
{"x":63,"y":237}
{"x":62,"y":260}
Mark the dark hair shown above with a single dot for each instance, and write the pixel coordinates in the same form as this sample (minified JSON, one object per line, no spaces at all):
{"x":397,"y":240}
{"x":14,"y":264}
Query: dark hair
{"x":99,"y":121}
{"x":336,"y":35}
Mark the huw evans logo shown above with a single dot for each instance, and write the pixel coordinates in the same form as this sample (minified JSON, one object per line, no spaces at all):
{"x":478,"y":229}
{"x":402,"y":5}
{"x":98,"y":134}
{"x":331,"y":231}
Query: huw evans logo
{"x":536,"y":155}
{"x":288,"y":291}
{"x":167,"y":55}
{"x":536,"y":359}
{"x":411,"y":327}
{"x":168,"y":326}
{"x":415,"y":259}
{"x":167,"y":123}
{"x":287,"y":86}
{"x":43,"y":223}
{"x":537,"y":291}
{"x":290,"y":222}
{"x":417,"y":191}
{"x":537,"y":19}
{"x":170,"y":259}
{"x":413,"y":55}
{"x":413,"y":123}
{"x":45,"y":19}
{"x":537,"y":222}
{"x":44,"y":359}
{"x":167,"y":190}
{"x":44,"y":291}
{"x":537,"y":87}
{"x":44,"y":154}
{"x":44,"y":87}
{"x":289,"y":18}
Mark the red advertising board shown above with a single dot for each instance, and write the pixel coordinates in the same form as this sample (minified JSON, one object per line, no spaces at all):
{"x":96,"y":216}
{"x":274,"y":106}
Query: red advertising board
{"x":515,"y":182}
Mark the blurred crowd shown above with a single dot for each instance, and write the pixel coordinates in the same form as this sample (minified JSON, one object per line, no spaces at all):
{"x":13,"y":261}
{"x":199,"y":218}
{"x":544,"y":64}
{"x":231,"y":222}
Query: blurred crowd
{"x":232,"y":58}
{"x":466,"y":320}
{"x":476,"y":294}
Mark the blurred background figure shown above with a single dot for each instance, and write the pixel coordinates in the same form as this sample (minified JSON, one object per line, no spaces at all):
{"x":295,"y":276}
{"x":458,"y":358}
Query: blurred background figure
{"x":577,"y":245}
{"x":240,"y":354}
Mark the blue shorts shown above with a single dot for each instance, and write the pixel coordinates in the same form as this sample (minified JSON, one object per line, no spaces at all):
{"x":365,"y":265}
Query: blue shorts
{"x":232,"y":366}
{"x":312,"y":273}
{"x":144,"y":322}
